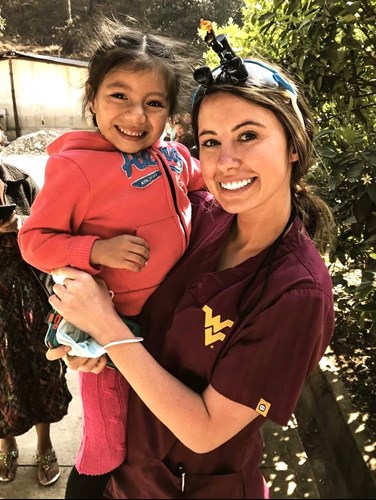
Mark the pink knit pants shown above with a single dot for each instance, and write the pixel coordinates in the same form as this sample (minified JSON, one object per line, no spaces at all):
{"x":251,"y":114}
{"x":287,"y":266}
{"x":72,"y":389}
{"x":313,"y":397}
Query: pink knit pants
{"x":104,"y":408}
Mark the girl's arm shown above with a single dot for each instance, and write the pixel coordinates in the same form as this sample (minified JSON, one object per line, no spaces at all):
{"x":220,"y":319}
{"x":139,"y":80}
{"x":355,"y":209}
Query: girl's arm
{"x":202,"y":422}
{"x":47,"y":238}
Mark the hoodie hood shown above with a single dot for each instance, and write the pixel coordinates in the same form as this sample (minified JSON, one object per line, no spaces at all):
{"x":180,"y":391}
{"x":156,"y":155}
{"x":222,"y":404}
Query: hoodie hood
{"x":80,"y":139}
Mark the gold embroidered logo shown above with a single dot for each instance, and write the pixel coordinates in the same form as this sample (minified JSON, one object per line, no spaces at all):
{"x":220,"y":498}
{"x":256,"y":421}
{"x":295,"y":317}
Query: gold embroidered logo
{"x":213,"y":325}
{"x":263,"y":407}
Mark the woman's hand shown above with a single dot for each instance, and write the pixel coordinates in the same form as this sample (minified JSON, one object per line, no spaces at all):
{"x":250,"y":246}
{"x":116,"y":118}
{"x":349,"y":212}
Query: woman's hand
{"x":93,"y":365}
{"x":85,"y":302}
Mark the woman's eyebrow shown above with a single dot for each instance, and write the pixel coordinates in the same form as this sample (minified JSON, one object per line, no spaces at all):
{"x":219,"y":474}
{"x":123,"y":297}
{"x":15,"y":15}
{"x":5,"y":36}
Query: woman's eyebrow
{"x":207,"y":132}
{"x":234,"y":129}
{"x":246,"y":123}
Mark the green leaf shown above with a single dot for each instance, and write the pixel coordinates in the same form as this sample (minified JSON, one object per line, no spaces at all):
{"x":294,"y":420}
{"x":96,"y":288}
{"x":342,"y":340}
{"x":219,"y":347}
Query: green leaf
{"x":326,"y":152}
{"x":371,"y":224}
{"x":371,"y":239}
{"x":355,"y":170}
{"x":348,"y":18}
{"x":370,"y":307}
{"x":370,"y":156}
{"x":352,"y":7}
{"x":363,"y":207}
{"x":349,"y":133}
{"x":266,"y":17}
{"x":371,"y":191}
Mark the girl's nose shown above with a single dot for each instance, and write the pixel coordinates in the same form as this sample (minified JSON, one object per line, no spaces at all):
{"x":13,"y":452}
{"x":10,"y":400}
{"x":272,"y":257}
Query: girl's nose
{"x":136,"y":113}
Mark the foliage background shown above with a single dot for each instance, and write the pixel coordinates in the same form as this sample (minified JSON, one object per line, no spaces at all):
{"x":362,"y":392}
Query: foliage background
{"x":330,"y":48}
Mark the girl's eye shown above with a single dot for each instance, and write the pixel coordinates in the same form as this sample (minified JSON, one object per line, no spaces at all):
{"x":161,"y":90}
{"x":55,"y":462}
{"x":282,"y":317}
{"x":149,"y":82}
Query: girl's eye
{"x":156,"y":104}
{"x":209,"y":143}
{"x":119,"y":95}
{"x":248,"y":136}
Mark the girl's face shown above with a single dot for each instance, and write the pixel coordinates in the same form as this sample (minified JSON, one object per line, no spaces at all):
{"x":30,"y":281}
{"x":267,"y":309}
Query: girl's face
{"x":131,"y":108}
{"x":244,"y":155}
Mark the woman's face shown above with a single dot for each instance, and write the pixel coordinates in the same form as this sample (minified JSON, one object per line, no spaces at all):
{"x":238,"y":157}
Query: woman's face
{"x":244,"y":155}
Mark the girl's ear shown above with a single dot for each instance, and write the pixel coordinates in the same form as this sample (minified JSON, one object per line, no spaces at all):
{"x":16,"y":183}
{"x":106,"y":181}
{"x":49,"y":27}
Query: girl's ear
{"x":92,"y":101}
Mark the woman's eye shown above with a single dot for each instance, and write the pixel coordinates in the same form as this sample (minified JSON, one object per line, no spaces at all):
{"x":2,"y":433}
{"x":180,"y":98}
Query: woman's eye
{"x":248,"y":136}
{"x":209,"y":143}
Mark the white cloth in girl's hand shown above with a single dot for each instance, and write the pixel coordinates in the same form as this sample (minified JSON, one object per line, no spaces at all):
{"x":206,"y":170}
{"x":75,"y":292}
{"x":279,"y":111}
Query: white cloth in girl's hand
{"x":81,"y":343}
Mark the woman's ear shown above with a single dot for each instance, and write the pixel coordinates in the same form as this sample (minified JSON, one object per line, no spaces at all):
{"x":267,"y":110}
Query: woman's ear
{"x":294,"y":156}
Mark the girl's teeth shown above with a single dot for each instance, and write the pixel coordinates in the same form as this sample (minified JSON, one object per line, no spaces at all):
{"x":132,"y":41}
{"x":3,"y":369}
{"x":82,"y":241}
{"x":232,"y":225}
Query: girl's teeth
{"x":236,"y":184}
{"x":132,"y":134}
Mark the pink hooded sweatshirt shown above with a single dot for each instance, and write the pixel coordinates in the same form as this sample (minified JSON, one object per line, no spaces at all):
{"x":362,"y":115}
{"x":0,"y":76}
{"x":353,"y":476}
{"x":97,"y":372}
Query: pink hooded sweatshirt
{"x":93,"y":191}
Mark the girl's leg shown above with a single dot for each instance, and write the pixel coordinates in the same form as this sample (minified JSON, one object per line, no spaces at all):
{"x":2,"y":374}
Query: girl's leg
{"x":80,"y":486}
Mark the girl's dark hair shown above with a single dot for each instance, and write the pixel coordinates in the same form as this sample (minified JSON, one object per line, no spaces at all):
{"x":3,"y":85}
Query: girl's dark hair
{"x":311,"y":208}
{"x":116,"y":45}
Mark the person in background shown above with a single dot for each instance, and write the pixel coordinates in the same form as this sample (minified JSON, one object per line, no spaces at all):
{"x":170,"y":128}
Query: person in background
{"x":169,"y":132}
{"x":245,"y":316}
{"x":3,"y":138}
{"x":114,"y":203}
{"x":184,"y":134}
{"x":33,"y":392}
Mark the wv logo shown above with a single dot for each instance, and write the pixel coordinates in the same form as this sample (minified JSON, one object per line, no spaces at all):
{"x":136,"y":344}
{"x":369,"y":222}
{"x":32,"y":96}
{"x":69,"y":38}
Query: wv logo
{"x":213,"y":326}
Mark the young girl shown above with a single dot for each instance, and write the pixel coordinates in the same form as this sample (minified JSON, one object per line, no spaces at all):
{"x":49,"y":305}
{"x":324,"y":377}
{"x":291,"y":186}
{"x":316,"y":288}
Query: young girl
{"x":114,"y":203}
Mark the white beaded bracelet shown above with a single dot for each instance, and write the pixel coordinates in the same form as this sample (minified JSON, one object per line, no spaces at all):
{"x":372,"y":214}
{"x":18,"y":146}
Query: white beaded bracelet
{"x":127,"y":341}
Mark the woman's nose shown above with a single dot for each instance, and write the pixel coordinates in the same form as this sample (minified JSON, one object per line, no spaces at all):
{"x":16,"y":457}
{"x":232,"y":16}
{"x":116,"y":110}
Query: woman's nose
{"x":228,"y":159}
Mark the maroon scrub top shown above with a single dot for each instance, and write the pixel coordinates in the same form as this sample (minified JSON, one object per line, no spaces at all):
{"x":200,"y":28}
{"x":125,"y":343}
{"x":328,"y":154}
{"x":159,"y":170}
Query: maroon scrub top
{"x":254,"y":346}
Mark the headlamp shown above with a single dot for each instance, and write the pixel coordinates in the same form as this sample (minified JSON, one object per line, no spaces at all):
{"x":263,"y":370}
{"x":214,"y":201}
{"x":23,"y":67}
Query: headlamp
{"x":234,"y":70}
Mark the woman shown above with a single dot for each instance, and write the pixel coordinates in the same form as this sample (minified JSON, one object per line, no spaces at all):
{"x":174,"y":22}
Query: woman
{"x":245,"y":316}
{"x":33,"y":392}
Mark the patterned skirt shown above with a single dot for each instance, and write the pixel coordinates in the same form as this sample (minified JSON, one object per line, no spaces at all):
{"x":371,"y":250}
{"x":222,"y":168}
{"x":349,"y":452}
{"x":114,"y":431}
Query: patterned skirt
{"x":32,"y":389}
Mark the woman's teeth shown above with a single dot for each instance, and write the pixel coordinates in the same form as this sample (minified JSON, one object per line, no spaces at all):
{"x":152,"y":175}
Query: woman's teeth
{"x":236,"y":184}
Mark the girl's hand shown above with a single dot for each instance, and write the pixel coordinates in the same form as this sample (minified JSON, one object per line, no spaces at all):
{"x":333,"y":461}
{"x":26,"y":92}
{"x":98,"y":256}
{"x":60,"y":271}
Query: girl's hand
{"x":121,"y":252}
{"x":10,"y":225}
{"x":93,"y":365}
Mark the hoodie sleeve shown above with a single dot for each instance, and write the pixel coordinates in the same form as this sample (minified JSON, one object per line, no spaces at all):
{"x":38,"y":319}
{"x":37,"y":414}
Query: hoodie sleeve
{"x":194,"y":180}
{"x":50,"y":237}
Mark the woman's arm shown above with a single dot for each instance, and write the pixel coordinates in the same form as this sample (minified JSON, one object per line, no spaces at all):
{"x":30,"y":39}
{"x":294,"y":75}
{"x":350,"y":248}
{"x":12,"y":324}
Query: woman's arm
{"x":201,"y":422}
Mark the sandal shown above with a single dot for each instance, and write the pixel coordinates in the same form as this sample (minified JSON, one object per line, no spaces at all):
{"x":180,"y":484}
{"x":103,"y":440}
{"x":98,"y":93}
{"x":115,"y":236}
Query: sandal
{"x":9,"y":461}
{"x":48,"y":468}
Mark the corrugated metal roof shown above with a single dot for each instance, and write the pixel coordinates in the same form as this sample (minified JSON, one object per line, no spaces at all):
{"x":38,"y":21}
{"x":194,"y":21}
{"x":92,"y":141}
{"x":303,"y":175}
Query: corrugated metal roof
{"x":43,"y":58}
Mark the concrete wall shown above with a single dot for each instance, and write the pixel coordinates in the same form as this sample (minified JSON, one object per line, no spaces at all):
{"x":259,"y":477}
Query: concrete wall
{"x":48,"y":95}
